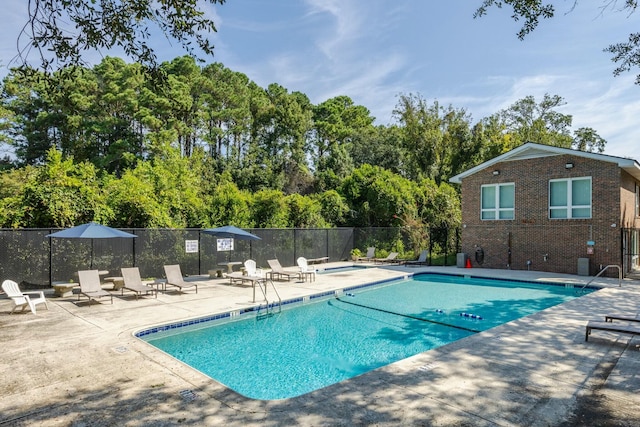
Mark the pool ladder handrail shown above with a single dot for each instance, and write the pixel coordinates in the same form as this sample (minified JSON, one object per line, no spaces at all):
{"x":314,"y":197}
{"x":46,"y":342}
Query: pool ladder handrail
{"x":600,"y":273}
{"x":264,"y":293}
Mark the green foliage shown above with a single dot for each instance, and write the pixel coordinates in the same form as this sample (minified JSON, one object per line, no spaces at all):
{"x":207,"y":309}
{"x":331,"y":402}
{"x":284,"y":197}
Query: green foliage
{"x":157,"y":193}
{"x":437,"y":140}
{"x":333,"y":207}
{"x":229,"y":205}
{"x":12,"y":187}
{"x":375,"y":195}
{"x":62,"y":194}
{"x":304,"y":212}
{"x":208,"y":147}
{"x":111,"y":24}
{"x":626,"y":54}
{"x":528,"y":10}
{"x":270,"y":209}
{"x":133,"y":200}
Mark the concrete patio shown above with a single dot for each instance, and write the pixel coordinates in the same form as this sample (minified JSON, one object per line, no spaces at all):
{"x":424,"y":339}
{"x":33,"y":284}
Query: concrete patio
{"x":79,"y":365}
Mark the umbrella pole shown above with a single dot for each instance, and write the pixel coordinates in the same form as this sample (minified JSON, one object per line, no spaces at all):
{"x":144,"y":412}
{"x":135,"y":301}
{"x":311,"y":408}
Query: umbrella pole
{"x":91,"y":259}
{"x":50,"y":259}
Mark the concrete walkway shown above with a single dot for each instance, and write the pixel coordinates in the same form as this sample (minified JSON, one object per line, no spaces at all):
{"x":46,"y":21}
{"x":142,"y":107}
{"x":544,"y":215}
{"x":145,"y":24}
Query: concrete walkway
{"x":79,"y":365}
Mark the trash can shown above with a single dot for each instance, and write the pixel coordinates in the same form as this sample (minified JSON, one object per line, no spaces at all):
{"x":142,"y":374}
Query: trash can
{"x":461,"y":259}
{"x":583,"y":266}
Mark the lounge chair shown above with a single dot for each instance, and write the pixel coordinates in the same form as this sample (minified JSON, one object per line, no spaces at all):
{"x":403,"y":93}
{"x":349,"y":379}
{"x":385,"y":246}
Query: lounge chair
{"x":422,"y":259}
{"x":305,"y":270}
{"x":611,"y":327}
{"x":612,"y":317}
{"x":133,"y":282}
{"x":371,"y":253}
{"x":23,"y":299}
{"x":277,"y":272}
{"x":390,"y":259}
{"x":90,"y":285}
{"x":251,"y":274}
{"x":174,"y":278}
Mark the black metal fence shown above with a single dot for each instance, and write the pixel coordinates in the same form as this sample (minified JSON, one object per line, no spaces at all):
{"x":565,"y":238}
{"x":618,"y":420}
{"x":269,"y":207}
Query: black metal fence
{"x":28,"y":256}
{"x":630,"y":250}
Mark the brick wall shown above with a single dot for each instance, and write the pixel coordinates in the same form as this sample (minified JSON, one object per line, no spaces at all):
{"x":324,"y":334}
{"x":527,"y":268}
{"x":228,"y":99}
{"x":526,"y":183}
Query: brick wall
{"x":549,"y":245}
{"x":628,"y":218}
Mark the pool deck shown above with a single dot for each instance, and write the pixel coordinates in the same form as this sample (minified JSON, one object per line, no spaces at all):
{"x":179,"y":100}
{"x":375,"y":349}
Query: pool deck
{"x":79,"y":365}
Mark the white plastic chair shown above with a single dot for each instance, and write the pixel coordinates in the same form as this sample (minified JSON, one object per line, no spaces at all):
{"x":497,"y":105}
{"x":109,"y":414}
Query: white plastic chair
{"x":251,"y":268}
{"x":305,"y":270}
{"x":21,"y":299}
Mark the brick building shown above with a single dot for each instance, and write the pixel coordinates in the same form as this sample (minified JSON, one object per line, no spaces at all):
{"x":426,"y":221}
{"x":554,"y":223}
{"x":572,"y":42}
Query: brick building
{"x":552,"y":209}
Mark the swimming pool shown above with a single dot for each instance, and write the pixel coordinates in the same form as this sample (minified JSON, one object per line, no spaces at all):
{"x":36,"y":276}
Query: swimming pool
{"x":312,"y":345}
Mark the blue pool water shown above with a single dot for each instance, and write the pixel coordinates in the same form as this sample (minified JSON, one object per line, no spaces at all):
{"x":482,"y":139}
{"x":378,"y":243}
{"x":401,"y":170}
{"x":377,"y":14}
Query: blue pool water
{"x":313,"y":345}
{"x":342,"y":269}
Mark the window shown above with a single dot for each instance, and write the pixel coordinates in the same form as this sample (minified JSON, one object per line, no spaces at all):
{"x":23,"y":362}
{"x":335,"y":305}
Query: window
{"x":570,"y":198}
{"x":497,"y":201}
{"x":637,"y":200}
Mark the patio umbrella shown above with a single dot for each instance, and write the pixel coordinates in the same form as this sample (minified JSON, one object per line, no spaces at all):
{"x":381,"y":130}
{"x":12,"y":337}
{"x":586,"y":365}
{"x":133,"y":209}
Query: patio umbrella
{"x":231,"y":232}
{"x":91,"y":231}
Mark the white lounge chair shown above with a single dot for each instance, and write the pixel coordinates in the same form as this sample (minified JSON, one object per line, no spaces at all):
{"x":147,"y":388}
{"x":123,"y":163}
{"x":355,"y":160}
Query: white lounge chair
{"x":90,"y":285}
{"x":277,"y":272}
{"x":175,"y":278}
{"x":133,"y":282}
{"x":305,"y":270}
{"x":23,"y":299}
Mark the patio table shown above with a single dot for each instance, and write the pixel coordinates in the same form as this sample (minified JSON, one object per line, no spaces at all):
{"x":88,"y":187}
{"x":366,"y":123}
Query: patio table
{"x":230,"y":264}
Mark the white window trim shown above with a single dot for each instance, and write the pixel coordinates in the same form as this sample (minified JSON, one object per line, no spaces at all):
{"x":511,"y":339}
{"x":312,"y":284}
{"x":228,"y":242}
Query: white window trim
{"x":569,"y":207}
{"x":498,"y":209}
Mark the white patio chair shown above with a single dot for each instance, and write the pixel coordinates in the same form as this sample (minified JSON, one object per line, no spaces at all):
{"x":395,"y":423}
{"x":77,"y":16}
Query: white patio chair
{"x":21,"y":299}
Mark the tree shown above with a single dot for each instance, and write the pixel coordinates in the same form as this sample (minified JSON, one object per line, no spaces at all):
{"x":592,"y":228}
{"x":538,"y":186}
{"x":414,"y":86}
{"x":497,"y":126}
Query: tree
{"x":62,"y":193}
{"x":376,"y":194}
{"x":381,"y":146}
{"x":229,"y":205}
{"x":304,"y":212}
{"x":69,"y":28}
{"x":529,"y":121}
{"x":627,"y":54}
{"x":336,"y":122}
{"x":432,"y":136}
{"x":270,"y":209}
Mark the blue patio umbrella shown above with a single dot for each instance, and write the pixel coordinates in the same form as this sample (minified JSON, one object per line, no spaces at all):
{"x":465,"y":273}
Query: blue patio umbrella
{"x":91,"y":231}
{"x":231,"y":232}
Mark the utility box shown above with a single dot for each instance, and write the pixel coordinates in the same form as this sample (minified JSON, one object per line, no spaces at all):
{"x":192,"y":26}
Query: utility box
{"x":583,"y":266}
{"x":461,"y":260}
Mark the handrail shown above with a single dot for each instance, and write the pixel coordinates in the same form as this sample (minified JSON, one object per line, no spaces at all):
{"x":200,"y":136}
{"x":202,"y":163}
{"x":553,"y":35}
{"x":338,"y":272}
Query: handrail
{"x":264,"y":293}
{"x":600,"y":273}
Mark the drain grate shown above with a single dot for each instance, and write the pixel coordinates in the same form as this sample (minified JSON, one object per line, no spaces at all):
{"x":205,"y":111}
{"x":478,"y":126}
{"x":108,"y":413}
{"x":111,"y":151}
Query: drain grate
{"x":188,"y":395}
{"x":121,"y":349}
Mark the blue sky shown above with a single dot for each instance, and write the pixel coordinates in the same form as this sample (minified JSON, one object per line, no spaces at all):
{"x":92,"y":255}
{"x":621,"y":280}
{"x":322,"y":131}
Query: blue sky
{"x":374,"y":50}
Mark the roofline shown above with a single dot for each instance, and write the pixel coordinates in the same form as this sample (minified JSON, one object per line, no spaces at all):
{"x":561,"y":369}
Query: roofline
{"x":629,"y":165}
